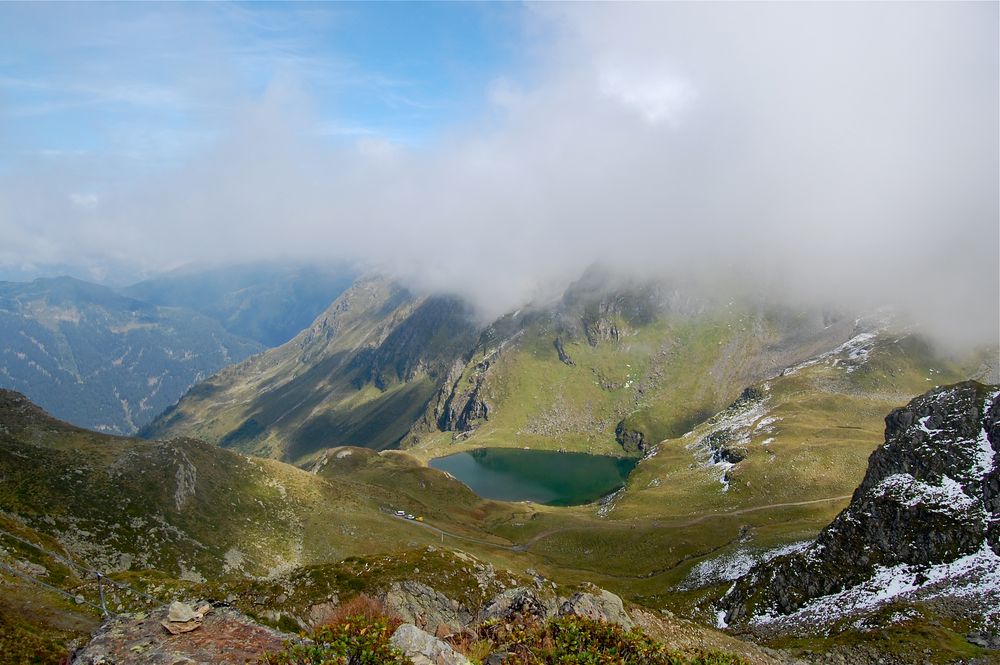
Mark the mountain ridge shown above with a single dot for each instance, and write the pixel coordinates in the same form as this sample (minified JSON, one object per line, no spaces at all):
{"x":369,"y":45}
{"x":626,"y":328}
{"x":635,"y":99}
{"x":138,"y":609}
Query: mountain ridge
{"x":426,"y":363}
{"x":103,"y":359}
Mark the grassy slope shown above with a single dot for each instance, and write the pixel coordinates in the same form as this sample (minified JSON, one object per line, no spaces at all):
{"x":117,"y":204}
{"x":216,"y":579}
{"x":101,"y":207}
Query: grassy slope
{"x":91,"y":499}
{"x":663,"y":376}
{"x":115,"y":502}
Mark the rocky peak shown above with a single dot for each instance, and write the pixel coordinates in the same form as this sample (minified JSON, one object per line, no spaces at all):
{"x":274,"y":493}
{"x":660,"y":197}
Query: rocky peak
{"x":945,"y":433}
{"x":929,"y":499}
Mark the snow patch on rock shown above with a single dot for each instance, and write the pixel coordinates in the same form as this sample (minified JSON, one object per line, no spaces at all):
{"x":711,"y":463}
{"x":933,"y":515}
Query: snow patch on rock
{"x":975,"y":576}
{"x":733,"y":565}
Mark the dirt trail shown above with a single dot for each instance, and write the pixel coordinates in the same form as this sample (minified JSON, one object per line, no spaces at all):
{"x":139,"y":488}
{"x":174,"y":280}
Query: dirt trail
{"x":679,"y":524}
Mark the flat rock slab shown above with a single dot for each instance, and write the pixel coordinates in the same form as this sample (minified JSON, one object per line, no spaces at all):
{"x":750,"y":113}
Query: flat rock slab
{"x":225,"y":636}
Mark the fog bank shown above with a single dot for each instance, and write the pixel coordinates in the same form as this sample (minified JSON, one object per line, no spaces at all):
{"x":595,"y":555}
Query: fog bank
{"x":842,"y":152}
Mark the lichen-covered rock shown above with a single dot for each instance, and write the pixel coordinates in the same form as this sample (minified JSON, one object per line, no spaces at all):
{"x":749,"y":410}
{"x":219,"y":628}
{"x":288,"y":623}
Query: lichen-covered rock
{"x":225,"y":637}
{"x":322,"y":613}
{"x":519,"y":602}
{"x":599,"y":605}
{"x":423,"y":606}
{"x":929,"y":497}
{"x":425,"y":649}
{"x":179,"y":611}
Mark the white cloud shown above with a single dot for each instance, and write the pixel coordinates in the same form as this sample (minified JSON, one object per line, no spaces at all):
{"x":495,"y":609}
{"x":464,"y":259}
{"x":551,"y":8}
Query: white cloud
{"x":86,"y":201}
{"x":841,"y":152}
{"x":656,"y":97}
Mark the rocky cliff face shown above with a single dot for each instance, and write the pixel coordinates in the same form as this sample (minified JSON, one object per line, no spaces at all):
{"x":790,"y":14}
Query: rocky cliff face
{"x":926,"y":509}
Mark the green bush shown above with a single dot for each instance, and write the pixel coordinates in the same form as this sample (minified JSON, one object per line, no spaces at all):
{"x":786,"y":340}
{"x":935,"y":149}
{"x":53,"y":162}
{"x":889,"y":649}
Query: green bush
{"x":355,"y":640}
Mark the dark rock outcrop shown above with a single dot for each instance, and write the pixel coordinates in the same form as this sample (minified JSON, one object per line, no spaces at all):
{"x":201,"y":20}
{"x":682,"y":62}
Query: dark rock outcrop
{"x":466,"y":406}
{"x":428,"y":340}
{"x":929,"y":496}
{"x":563,"y":356}
{"x":461,"y":403}
{"x":425,"y":607}
{"x":631,"y":441}
{"x":728,"y":455}
{"x":991,"y":481}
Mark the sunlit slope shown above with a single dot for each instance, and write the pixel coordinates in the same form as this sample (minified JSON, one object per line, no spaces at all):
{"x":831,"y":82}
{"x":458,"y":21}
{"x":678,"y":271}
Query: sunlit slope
{"x":616,"y":371}
{"x":359,"y":375}
{"x":771,"y":469}
{"x":183,"y":507}
{"x":803,"y":435}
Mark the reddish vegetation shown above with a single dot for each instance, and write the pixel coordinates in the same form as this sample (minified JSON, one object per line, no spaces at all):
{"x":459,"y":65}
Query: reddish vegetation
{"x":363,"y":606}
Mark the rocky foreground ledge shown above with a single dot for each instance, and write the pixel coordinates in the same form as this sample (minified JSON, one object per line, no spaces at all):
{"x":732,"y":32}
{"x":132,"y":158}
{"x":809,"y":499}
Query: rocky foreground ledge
{"x":223,"y":635}
{"x":183,"y":635}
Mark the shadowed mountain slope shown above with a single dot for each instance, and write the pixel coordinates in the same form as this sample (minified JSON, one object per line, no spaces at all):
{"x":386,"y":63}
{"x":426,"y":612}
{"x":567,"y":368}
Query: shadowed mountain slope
{"x":361,"y":374}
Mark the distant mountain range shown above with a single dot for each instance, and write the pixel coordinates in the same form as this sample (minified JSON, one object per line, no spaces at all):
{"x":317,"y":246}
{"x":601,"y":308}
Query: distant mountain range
{"x":111,"y":360}
{"x":269,"y":303}
{"x":103,"y":360}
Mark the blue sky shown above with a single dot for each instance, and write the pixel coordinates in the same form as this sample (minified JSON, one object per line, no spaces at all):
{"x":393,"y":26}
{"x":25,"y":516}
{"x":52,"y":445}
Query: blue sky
{"x":153,"y":81}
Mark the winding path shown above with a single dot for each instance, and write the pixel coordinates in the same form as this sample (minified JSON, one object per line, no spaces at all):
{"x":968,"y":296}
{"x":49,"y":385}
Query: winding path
{"x":680,"y":524}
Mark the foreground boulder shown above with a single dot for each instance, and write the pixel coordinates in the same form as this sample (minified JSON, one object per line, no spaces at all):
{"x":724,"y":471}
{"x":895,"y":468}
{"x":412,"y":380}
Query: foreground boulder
{"x":600,"y":605}
{"x":425,"y":607}
{"x":926,"y":512}
{"x":518,"y":603}
{"x":425,"y":649}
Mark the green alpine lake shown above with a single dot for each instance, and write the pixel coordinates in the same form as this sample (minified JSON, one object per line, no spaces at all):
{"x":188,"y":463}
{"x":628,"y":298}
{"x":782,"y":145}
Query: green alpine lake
{"x":542,"y":476}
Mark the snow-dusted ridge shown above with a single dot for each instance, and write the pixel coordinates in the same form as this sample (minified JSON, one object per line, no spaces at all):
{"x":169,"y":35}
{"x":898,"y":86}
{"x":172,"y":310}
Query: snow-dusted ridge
{"x":973,"y":577}
{"x":921,"y":526}
{"x":733,"y":565}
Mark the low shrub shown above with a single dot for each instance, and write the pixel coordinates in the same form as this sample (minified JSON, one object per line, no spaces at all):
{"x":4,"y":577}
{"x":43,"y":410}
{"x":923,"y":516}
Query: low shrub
{"x":358,"y":634}
{"x":573,"y":640}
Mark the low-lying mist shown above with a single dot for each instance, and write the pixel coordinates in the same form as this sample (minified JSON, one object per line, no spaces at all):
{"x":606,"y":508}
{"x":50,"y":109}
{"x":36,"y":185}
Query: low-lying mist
{"x":820,"y":152}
